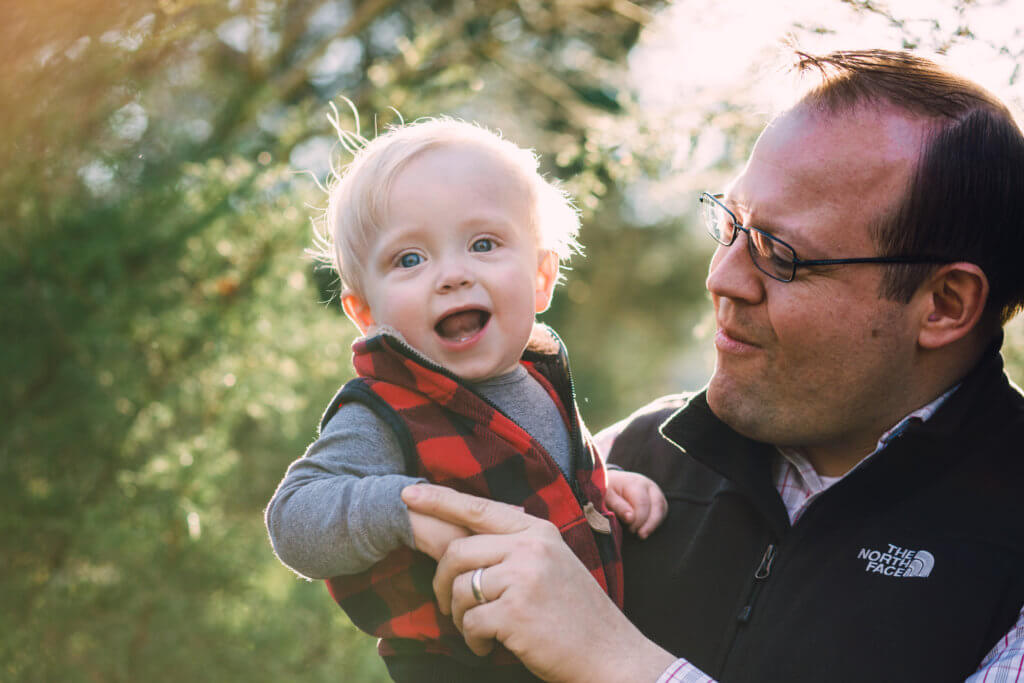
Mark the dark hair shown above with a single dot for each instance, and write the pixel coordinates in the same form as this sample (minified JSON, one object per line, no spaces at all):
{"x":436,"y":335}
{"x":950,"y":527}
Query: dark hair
{"x":965,"y":200}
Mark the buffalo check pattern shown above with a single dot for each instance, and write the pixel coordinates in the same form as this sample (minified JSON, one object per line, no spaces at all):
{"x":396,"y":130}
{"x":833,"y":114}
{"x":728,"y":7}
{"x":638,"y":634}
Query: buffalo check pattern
{"x":454,"y":437}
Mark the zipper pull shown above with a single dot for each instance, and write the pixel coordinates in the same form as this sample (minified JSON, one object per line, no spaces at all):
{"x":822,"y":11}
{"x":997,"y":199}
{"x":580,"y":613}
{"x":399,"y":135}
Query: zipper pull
{"x":765,"y":568}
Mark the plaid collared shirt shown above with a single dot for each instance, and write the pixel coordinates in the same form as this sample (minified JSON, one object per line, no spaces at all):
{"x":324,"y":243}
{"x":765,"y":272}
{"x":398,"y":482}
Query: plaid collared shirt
{"x":799,"y":485}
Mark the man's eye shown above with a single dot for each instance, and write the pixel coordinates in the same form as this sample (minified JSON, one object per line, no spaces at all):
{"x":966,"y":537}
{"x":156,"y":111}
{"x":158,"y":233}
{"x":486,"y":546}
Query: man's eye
{"x":410,"y":260}
{"x":781,"y":259}
{"x":482,"y":244}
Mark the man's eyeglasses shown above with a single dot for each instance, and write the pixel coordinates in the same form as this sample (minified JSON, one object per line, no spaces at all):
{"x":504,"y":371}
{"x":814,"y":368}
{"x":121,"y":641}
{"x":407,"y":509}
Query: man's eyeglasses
{"x":772,"y":256}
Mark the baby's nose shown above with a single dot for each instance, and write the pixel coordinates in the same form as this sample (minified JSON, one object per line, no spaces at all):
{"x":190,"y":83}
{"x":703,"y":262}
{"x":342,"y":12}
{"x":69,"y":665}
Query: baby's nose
{"x":454,"y":277}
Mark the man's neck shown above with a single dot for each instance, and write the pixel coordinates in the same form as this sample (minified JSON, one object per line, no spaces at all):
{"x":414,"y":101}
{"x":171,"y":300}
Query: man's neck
{"x":832,"y":462}
{"x":930,"y":377}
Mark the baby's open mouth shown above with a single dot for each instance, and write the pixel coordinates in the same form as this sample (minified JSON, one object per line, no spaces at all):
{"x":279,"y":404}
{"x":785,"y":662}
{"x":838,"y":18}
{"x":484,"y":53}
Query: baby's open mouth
{"x":462,"y":325}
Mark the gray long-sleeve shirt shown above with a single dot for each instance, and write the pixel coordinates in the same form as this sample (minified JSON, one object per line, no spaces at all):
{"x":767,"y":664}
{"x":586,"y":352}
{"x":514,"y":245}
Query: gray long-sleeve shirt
{"x":339,"y":510}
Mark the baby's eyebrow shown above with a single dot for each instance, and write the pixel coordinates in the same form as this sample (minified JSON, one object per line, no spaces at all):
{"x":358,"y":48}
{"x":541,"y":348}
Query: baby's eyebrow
{"x":388,"y":247}
{"x":487,"y":222}
{"x":395,"y":237}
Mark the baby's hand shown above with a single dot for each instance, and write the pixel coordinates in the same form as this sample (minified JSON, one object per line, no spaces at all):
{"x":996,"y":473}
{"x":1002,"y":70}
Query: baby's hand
{"x":636,"y":500}
{"x":432,"y":535}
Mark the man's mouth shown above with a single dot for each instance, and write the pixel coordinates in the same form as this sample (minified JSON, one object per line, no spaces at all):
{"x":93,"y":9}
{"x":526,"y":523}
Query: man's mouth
{"x":732,"y":342}
{"x":460,"y":326}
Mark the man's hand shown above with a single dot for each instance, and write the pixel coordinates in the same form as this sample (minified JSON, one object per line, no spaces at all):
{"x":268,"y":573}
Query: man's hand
{"x":433,"y":535}
{"x":636,"y":500}
{"x":541,"y":602}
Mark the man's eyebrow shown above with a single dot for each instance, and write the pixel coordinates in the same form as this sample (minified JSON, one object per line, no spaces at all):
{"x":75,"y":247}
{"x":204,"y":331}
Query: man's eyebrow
{"x":741,"y":210}
{"x":797,"y":242}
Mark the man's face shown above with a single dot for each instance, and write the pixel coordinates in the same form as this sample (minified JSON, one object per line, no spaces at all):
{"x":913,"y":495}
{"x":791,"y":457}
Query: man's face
{"x":820,"y":362}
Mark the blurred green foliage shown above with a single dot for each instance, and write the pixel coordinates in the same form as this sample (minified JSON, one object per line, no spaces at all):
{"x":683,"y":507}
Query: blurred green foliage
{"x":167,"y":347}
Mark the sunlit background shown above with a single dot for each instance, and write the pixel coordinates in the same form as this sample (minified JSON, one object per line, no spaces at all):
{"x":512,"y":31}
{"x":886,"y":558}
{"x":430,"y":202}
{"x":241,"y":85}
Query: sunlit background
{"x":167,"y":347}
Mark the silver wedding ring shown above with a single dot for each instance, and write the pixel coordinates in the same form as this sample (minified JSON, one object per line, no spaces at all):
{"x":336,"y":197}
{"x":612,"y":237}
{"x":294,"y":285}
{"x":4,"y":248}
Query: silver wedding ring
{"x":476,"y":583}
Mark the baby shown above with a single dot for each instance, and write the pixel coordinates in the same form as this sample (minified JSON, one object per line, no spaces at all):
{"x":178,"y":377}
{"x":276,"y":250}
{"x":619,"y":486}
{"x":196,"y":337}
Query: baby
{"x":448,"y":243}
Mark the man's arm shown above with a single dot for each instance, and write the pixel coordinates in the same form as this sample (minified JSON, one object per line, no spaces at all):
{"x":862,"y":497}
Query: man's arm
{"x":542,"y":603}
{"x":1005,"y":662}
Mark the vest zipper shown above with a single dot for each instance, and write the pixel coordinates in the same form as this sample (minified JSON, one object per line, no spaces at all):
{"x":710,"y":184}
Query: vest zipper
{"x":574,"y":429}
{"x":764,"y":570}
{"x":575,"y":438}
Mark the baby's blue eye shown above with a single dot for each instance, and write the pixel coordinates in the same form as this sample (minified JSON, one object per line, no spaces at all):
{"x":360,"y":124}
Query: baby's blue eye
{"x":482,"y":244}
{"x":410,"y":260}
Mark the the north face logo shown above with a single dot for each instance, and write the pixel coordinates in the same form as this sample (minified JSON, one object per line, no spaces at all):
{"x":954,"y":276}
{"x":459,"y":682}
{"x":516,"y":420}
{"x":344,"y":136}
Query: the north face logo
{"x":897,"y":561}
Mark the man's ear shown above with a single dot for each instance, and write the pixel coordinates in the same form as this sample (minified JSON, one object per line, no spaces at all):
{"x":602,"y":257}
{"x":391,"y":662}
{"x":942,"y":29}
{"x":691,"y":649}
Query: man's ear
{"x":357,"y":310}
{"x":954,"y":304}
{"x":547,"y":276}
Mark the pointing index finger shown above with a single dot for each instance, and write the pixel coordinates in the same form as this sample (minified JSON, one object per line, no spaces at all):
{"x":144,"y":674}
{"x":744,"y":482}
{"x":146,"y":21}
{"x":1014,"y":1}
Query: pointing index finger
{"x":479,"y":515}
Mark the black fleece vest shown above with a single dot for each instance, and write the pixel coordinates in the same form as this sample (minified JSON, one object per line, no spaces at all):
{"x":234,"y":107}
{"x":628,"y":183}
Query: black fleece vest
{"x":909,"y":569}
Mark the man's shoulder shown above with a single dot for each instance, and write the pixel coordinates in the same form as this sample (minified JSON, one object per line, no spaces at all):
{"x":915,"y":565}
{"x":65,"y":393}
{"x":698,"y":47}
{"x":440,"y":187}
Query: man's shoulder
{"x":647,"y":418}
{"x":639,"y":446}
{"x":663,"y":406}
{"x":639,"y":432}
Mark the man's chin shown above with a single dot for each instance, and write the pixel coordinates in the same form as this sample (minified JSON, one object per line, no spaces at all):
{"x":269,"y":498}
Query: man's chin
{"x":739,"y":408}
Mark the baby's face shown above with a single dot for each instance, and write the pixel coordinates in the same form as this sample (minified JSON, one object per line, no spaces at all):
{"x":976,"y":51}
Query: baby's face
{"x":457,"y":269}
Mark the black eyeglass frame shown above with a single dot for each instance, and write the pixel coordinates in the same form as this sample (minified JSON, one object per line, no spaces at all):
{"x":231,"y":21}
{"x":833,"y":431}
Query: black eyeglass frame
{"x":796,"y":260}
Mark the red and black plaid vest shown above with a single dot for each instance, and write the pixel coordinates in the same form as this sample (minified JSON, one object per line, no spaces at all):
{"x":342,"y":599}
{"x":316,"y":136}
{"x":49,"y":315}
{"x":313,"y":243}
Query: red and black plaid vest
{"x":451,"y":435}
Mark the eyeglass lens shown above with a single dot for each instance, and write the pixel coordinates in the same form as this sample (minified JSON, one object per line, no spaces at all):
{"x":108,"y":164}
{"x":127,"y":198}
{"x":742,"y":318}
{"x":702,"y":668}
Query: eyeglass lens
{"x":771,"y":256}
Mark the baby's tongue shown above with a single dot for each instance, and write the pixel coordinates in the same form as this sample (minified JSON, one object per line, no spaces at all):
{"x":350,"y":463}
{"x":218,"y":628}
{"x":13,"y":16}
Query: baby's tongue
{"x":461,"y":325}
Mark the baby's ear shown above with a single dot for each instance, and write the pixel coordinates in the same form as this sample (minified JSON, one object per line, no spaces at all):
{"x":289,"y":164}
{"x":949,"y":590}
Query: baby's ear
{"x":357,"y":310}
{"x":547,"y":277}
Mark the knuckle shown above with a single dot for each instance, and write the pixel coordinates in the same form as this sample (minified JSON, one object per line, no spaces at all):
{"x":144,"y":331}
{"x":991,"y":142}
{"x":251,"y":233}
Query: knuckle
{"x":470,"y":623}
{"x":455,"y":547}
{"x":540,"y":545}
{"x":548,"y":529}
{"x":478,"y":508}
{"x":427,"y":493}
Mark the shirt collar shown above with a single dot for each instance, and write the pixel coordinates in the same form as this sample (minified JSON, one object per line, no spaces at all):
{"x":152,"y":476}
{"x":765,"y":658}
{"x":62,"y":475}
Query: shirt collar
{"x":816,"y":482}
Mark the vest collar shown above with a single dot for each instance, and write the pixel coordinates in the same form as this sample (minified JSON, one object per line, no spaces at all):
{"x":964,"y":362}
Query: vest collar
{"x":387,"y":356}
{"x":956,"y":417}
{"x":544,"y":345}
{"x":746,"y":464}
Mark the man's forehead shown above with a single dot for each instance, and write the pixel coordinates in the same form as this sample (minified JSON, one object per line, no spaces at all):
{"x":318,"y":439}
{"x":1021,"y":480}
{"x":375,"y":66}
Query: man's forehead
{"x":870,"y":134}
{"x":809,"y":166}
{"x":843,"y":151}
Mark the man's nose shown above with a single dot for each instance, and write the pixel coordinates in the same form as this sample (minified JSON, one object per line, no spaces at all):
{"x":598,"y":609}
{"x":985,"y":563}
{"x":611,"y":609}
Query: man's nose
{"x":732,"y":273}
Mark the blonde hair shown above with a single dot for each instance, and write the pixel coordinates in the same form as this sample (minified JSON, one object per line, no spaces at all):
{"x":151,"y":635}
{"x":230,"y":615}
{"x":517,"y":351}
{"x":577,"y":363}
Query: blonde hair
{"x":358,"y":193}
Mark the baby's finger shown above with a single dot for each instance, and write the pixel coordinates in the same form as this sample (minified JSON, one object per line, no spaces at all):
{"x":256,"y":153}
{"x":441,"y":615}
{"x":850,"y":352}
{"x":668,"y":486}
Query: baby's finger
{"x":641,"y":501}
{"x":659,"y":508}
{"x":620,"y":506}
